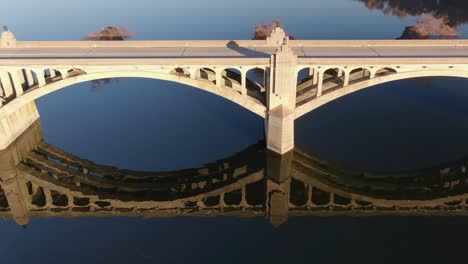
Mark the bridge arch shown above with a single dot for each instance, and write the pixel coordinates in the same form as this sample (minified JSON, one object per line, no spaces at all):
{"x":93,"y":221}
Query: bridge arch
{"x":369,"y":83}
{"x":80,"y":76}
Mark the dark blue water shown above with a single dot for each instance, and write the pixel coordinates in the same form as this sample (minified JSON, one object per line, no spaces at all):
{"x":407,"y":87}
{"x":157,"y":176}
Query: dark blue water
{"x":155,"y":125}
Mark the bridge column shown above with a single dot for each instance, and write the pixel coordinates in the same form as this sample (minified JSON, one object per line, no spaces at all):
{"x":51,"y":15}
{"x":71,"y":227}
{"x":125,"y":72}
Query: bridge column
{"x":219,"y":77}
{"x":6,"y":84}
{"x":281,"y":100}
{"x":40,"y":74}
{"x":315,"y":77}
{"x":346,"y":78}
{"x":320,"y":83}
{"x":17,"y":83}
{"x":29,"y":78}
{"x":243,"y":81}
{"x":63,"y":72}
{"x":52,"y":73}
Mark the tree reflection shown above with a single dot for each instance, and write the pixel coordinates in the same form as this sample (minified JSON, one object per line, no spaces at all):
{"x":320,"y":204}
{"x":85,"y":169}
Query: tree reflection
{"x":439,"y":18}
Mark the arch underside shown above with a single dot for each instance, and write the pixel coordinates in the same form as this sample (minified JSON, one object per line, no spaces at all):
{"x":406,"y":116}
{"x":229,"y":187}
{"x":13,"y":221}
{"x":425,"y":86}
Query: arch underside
{"x":253,"y":101}
{"x":334,"y":89}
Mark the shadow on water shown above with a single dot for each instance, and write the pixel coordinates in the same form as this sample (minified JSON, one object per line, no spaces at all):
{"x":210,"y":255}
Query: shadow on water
{"x":40,"y":180}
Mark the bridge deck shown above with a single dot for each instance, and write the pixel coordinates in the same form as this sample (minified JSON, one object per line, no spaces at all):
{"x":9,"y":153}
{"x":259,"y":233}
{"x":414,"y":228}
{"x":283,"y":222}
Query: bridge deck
{"x":225,"y":49}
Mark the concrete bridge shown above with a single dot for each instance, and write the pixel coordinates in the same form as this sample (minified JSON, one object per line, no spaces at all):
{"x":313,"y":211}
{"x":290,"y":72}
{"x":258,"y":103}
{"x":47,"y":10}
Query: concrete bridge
{"x":277,"y":79}
{"x":40,"y":180}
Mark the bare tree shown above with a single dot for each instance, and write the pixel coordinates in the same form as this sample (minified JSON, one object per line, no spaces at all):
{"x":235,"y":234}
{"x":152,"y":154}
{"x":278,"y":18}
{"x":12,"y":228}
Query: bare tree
{"x":262,"y":31}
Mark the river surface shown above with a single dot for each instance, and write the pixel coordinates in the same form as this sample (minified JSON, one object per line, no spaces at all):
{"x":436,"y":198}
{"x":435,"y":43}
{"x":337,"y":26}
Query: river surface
{"x":151,"y":125}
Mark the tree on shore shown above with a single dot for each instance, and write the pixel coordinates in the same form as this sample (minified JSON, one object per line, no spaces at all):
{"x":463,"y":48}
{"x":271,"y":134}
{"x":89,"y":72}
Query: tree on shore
{"x":110,"y":33}
{"x":262,"y":31}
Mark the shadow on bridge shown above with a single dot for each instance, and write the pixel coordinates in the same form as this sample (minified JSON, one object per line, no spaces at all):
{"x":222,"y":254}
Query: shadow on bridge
{"x":40,"y":180}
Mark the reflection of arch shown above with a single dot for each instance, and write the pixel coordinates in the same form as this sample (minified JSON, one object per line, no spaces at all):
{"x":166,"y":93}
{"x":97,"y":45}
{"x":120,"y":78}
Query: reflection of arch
{"x":318,"y":183}
{"x":244,"y":101}
{"x":333,"y":95}
{"x":249,"y":183}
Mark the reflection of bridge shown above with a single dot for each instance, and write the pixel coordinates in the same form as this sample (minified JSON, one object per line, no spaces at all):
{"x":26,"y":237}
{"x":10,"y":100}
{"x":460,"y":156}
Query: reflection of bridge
{"x":39,"y":180}
{"x":277,"y":79}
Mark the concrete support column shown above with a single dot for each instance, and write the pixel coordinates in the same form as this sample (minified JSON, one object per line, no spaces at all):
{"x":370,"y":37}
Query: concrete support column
{"x":315,"y":77}
{"x":219,"y":78}
{"x":340,"y":73}
{"x":320,"y":83}
{"x":311,"y":71}
{"x":243,"y":82}
{"x":63,"y":72}
{"x":372,"y":74}
{"x":193,"y":73}
{"x":346,"y":78}
{"x":6,"y":84}
{"x":17,"y":84}
{"x":52,"y":73}
{"x":29,"y":78}
{"x":40,"y":77}
{"x":22,"y":78}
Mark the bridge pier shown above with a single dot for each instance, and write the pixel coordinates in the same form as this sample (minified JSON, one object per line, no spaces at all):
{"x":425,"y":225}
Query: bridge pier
{"x":281,"y":100}
{"x":12,"y":125}
{"x":280,"y":129}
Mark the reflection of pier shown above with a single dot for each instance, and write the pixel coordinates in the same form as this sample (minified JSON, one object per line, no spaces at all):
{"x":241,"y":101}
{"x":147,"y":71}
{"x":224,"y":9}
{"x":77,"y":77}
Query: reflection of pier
{"x":39,"y":180}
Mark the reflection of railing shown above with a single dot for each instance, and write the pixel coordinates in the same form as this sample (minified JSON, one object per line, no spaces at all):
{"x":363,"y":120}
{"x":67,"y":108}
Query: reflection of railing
{"x":46,"y":181}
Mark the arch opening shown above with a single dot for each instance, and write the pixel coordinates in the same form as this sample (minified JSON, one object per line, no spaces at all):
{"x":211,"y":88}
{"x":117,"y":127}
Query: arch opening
{"x":232,"y":78}
{"x":75,"y":72}
{"x":256,"y":80}
{"x":52,"y":75}
{"x":206,"y":74}
{"x":385,"y":72}
{"x":304,"y":76}
{"x":181,"y":72}
{"x":359,"y":75}
{"x":333,"y":79}
{"x":308,"y":104}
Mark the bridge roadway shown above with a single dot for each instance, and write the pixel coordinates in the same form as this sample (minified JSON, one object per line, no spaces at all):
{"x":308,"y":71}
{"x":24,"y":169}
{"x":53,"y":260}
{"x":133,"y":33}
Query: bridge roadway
{"x":278,"y":79}
{"x":153,"y":51}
